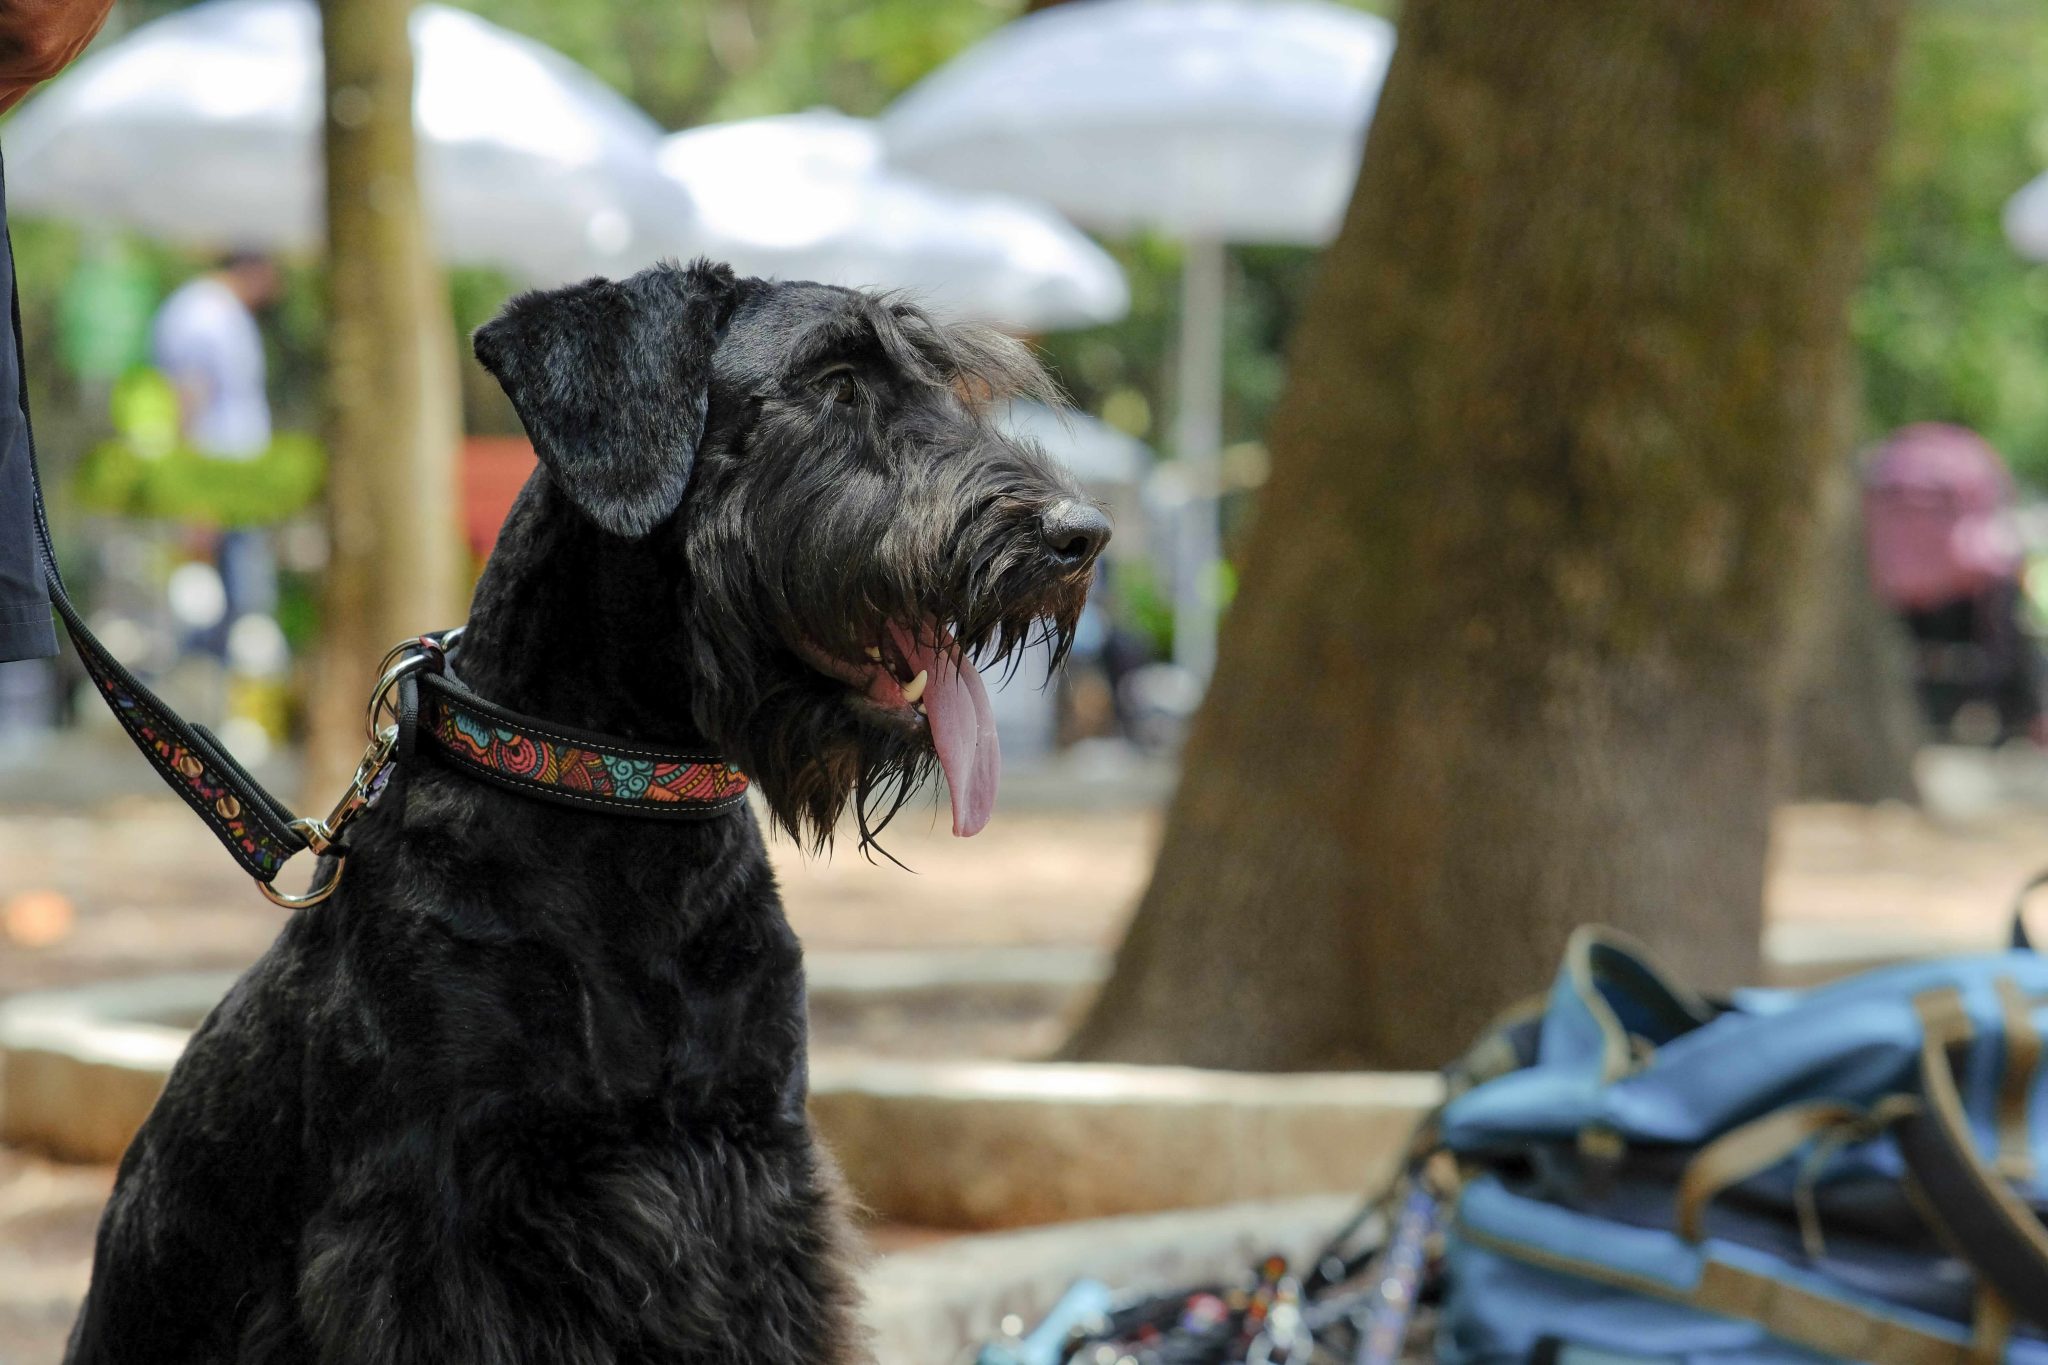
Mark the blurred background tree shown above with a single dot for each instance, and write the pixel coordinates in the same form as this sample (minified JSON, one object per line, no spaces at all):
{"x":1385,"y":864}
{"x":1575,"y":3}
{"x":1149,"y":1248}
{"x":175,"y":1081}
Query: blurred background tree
{"x":1951,"y":324}
{"x":1509,"y":653}
{"x":392,"y":415}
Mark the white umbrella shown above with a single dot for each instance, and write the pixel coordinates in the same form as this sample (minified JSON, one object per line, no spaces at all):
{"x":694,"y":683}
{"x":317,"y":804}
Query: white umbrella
{"x":203,"y":128}
{"x":1091,"y":449}
{"x":1211,"y":120}
{"x":806,"y":196}
{"x":2026,"y":219}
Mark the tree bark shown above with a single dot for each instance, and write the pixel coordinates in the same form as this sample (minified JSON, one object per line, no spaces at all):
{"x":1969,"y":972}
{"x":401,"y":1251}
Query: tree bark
{"x":1506,"y":655}
{"x":393,"y":423}
{"x":1855,"y":723}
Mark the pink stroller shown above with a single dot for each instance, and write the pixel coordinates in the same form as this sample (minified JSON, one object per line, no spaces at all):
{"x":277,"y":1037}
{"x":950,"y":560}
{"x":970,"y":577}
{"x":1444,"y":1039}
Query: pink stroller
{"x":1945,"y":554}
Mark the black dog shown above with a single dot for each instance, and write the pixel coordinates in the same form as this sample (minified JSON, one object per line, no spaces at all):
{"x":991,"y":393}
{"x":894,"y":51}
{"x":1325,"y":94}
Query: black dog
{"x":530,"y":1087}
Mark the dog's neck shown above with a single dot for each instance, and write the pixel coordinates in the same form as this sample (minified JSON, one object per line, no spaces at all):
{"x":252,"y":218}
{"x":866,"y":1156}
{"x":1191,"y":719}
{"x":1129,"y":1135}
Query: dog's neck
{"x":574,"y":625}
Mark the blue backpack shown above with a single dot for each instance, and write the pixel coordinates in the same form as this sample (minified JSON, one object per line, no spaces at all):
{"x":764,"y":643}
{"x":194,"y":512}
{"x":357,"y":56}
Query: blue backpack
{"x":1851,"y":1173}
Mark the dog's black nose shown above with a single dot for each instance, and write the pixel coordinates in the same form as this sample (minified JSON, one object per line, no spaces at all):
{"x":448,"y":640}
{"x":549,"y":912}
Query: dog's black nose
{"x":1074,"y":532}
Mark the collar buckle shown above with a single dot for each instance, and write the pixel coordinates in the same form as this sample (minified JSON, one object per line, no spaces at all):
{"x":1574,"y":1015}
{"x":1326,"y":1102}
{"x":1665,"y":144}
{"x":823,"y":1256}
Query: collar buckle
{"x":424,"y":653}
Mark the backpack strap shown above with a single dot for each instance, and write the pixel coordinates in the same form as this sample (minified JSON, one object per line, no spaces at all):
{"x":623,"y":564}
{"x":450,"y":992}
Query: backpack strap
{"x":2016,"y":1081}
{"x":1984,"y":1221}
{"x":1787,"y":1310}
{"x":2018,"y":939}
{"x":1627,"y":997}
{"x":1742,"y":1153}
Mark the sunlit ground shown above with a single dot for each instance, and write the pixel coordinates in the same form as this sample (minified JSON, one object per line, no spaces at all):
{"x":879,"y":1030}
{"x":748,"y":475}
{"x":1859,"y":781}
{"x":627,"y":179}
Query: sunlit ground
{"x":146,"y":891}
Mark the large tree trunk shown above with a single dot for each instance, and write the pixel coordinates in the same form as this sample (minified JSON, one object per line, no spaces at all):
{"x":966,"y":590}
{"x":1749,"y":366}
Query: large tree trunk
{"x":1505,"y":658}
{"x":393,"y":424}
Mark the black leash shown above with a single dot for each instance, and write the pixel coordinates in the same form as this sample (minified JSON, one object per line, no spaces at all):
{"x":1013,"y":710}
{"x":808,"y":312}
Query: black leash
{"x":257,"y":829}
{"x":417,"y":704}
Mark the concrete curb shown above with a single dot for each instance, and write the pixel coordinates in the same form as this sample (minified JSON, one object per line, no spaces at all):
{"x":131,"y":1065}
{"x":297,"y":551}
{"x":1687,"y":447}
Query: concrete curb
{"x":945,"y":1144}
{"x":1014,"y":1144}
{"x":79,"y":1069}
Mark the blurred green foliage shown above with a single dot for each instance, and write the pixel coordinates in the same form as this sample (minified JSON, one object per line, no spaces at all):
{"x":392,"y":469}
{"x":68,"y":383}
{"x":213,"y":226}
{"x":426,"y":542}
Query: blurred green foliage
{"x":1951,"y":324}
{"x":696,"y":61}
{"x":118,"y":478}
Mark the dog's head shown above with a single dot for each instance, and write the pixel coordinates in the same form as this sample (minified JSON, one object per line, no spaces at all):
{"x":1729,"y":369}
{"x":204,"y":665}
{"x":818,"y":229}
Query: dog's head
{"x":848,"y":538}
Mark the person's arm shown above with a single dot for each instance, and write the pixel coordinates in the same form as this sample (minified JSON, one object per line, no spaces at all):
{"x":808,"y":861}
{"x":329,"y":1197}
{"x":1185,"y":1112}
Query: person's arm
{"x":38,"y":38}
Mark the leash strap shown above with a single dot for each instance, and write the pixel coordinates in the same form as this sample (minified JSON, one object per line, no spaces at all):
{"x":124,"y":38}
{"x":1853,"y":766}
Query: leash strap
{"x":537,"y":759}
{"x":254,"y":827}
{"x":556,"y":763}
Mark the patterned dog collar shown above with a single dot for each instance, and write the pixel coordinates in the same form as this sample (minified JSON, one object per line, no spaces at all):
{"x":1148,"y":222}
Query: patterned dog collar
{"x":573,"y":767}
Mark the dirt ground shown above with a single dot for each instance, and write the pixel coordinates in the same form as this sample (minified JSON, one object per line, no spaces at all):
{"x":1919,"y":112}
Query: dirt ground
{"x":147,"y":891}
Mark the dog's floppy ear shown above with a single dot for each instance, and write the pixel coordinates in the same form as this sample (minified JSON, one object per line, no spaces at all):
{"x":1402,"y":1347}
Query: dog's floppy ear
{"x":611,"y":378}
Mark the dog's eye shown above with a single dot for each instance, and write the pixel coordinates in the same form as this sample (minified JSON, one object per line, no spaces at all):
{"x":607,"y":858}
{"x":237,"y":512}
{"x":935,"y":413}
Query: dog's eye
{"x":841,"y":385}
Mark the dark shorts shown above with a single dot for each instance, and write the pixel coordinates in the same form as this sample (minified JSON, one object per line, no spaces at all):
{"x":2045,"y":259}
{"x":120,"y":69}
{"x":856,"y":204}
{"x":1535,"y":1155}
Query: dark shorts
{"x":25,"y":629}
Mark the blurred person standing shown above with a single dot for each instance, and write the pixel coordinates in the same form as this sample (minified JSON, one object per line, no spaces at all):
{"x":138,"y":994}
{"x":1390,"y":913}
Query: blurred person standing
{"x":206,"y":341}
{"x":38,"y":38}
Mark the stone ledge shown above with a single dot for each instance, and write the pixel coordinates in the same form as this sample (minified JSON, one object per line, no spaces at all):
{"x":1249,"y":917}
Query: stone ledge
{"x":949,"y":1144}
{"x":79,"y":1069}
{"x":1799,"y":956}
{"x":993,"y":1145}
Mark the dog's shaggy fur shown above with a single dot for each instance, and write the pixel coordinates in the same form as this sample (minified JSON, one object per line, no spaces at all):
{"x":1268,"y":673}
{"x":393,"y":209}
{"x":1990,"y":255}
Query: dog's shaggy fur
{"x":530,"y":1087}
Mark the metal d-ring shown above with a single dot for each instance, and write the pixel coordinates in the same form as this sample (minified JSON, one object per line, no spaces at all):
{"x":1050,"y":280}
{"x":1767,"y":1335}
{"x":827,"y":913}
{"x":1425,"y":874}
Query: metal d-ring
{"x":402,"y":659}
{"x":316,"y":839}
{"x":323,"y":836}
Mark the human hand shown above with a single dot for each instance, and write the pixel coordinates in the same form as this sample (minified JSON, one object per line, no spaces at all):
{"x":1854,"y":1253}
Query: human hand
{"x":39,"y":38}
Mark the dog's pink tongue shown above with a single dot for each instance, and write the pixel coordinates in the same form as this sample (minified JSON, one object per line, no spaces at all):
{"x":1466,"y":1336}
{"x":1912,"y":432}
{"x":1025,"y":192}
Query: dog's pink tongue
{"x":963,"y":726}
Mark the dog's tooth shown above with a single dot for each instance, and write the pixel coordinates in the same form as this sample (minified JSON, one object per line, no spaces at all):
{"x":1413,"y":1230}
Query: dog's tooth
{"x":914,"y":689}
{"x":875,"y":653}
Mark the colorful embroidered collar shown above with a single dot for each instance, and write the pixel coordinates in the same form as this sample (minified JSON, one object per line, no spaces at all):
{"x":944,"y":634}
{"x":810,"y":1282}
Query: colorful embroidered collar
{"x":573,"y":767}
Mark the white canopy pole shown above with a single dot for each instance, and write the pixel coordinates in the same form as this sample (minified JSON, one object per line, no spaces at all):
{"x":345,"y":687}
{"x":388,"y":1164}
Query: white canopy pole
{"x":1199,"y":445}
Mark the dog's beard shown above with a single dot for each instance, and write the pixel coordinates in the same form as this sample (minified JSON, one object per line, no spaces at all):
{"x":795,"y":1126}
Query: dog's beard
{"x":816,"y":757}
{"x":831,"y":611}
{"x":815,"y":745}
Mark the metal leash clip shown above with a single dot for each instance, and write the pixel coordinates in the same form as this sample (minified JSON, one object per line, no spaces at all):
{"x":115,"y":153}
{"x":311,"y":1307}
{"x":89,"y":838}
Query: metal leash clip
{"x":380,"y":721}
